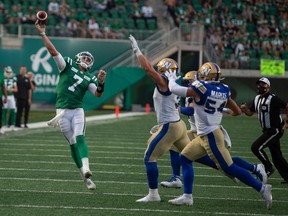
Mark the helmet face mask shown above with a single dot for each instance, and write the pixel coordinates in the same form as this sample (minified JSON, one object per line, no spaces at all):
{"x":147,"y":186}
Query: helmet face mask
{"x":166,"y":64}
{"x":209,"y":72}
{"x":8,"y":72}
{"x":85,"y":60}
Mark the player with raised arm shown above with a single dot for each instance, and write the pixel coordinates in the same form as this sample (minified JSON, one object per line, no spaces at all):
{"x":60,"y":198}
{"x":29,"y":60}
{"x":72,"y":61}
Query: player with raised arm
{"x":74,"y":81}
{"x":210,"y":97}
{"x":171,"y":130}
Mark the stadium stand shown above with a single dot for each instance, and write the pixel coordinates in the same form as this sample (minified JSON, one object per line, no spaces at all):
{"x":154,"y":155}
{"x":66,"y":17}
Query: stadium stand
{"x":241,"y":32}
{"x":70,"y":18}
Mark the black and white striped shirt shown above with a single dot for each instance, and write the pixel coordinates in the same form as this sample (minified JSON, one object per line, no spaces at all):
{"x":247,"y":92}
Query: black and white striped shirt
{"x":268,"y":110}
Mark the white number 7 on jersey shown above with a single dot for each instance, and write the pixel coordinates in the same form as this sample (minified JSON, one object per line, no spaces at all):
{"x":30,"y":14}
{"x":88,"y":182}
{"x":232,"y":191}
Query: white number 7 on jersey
{"x":79,"y":80}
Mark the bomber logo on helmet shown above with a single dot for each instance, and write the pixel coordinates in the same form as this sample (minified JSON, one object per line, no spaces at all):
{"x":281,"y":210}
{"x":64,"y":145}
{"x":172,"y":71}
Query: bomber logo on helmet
{"x":209,"y":71}
{"x":166,"y":64}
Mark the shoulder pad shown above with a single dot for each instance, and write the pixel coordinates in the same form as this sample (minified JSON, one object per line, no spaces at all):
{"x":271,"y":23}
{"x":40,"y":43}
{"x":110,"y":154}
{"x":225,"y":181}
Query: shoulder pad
{"x":199,"y":85}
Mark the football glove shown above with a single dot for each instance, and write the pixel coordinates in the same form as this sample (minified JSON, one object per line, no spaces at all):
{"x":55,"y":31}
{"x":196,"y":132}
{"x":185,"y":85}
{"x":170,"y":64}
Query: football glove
{"x":135,"y":46}
{"x":171,"y":75}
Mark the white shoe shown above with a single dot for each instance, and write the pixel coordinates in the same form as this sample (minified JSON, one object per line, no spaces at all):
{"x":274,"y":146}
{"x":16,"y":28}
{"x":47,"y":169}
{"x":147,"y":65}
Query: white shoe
{"x":173,"y":182}
{"x":182,"y":200}
{"x":267,"y":195}
{"x":150,"y":198}
{"x":90,"y":184}
{"x":261,"y":173}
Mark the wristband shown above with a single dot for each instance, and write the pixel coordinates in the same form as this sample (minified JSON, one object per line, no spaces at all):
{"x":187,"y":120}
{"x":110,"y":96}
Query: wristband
{"x":100,"y":88}
{"x":42,"y":33}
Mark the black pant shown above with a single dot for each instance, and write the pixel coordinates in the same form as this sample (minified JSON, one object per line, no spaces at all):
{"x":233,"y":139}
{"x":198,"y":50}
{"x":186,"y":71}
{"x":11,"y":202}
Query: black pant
{"x":271,"y":139}
{"x":26,"y":113}
{"x":21,"y":104}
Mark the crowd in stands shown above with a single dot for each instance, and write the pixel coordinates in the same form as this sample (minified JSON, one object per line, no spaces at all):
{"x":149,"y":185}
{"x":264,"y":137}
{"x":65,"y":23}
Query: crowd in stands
{"x":80,"y":18}
{"x":241,"y":31}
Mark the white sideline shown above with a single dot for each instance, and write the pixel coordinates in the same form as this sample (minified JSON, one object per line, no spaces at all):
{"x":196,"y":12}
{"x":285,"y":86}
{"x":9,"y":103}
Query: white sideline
{"x":88,"y":119}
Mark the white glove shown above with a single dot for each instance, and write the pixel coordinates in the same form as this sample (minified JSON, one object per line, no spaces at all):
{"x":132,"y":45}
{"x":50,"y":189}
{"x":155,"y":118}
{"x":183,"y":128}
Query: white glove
{"x":171,"y":75}
{"x":135,"y":46}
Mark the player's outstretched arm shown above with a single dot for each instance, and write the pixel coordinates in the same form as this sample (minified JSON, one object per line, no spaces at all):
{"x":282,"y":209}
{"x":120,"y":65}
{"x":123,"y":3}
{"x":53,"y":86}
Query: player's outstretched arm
{"x":50,"y":47}
{"x":146,"y":65}
{"x":232,"y":105}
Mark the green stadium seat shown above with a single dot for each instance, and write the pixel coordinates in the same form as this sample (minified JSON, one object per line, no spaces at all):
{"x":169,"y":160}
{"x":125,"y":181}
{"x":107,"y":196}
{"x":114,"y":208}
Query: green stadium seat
{"x":105,"y":14}
{"x":113,"y":13}
{"x":285,"y":54}
{"x":2,"y":19}
{"x":12,"y":29}
{"x":80,"y":4}
{"x":129,"y":24}
{"x":123,"y":14}
{"x":152,"y":24}
{"x":140,"y":24}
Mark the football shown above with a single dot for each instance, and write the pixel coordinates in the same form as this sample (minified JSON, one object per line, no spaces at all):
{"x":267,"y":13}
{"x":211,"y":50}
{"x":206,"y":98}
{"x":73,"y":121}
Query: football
{"x":42,"y":17}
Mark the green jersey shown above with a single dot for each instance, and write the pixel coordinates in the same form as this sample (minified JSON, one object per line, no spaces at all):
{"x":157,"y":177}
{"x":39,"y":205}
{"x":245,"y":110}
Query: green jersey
{"x":9,"y":83}
{"x":72,"y":86}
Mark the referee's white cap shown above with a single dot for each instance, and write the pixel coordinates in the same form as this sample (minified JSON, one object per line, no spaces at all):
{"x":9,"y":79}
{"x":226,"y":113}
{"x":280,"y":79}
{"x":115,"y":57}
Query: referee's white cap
{"x":264,"y":80}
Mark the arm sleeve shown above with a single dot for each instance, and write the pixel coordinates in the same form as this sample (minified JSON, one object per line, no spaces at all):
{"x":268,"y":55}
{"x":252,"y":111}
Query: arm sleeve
{"x":60,"y":62}
{"x":92,"y":88}
{"x":177,"y":89}
{"x":189,"y":111}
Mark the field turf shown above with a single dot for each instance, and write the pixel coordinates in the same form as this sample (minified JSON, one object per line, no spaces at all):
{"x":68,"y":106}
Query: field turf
{"x":38,"y":177}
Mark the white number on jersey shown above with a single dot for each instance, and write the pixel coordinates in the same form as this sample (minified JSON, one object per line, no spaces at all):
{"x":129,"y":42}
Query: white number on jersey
{"x":79,"y":80}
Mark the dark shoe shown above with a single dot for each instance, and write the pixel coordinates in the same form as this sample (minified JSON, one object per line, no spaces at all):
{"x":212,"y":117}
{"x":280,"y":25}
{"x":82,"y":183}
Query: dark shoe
{"x":270,"y":171}
{"x":26,"y":126}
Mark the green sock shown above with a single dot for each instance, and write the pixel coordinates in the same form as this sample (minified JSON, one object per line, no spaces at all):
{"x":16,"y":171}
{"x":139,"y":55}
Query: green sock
{"x":12,"y":116}
{"x":82,"y":145}
{"x":4,"y":116}
{"x":76,"y":155}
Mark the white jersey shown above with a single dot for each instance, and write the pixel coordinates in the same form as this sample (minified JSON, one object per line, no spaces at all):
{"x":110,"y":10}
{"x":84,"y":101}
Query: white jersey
{"x":191,"y":118}
{"x":208,"y":110}
{"x":165,"y":104}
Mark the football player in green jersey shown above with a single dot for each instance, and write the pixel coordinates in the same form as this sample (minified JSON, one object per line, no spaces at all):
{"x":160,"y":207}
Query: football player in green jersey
{"x":74,"y":81}
{"x":11,"y":87}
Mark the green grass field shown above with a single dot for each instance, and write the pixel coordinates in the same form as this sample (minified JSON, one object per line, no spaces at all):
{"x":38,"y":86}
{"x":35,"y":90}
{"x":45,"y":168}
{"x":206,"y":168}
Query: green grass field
{"x":38,"y":176}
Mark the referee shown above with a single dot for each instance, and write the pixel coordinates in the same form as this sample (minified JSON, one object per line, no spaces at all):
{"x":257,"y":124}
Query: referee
{"x":267,"y":106}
